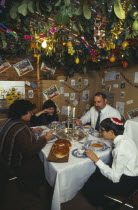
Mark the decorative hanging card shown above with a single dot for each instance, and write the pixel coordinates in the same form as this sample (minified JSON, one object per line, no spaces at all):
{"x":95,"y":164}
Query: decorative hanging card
{"x":47,"y":69}
{"x":9,"y":92}
{"x":23,"y":67}
{"x":4,"y":66}
{"x":85,"y":95}
{"x":51,"y":92}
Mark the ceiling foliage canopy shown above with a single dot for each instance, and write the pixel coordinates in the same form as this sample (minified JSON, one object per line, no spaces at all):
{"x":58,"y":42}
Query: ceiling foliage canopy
{"x":81,"y":35}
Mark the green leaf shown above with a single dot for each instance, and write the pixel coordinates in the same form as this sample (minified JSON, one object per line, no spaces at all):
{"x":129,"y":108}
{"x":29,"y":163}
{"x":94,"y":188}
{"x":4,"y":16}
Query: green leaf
{"x":37,"y":7}
{"x":13,"y":11}
{"x":31,"y":6}
{"x":86,"y":10}
{"x":22,"y":9}
{"x":70,"y":10}
{"x":118,"y":10}
{"x":74,"y":27}
{"x":67,"y":2}
{"x":78,"y":11}
{"x":58,"y":3}
{"x":62,"y":16}
{"x":49,"y":8}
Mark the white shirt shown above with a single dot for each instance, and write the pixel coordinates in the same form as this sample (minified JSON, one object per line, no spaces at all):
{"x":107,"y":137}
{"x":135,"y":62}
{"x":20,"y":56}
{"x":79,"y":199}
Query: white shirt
{"x":92,"y":115}
{"x":125,"y":160}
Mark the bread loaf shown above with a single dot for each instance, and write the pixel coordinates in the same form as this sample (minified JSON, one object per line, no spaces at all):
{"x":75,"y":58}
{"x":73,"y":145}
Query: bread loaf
{"x":60,"y":148}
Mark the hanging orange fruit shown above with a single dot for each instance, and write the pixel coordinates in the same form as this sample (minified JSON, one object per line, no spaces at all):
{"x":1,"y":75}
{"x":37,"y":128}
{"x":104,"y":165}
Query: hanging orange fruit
{"x":125,"y":44}
{"x":125,"y":64}
{"x":77,"y":60}
{"x":69,"y":44}
{"x":112,"y":59}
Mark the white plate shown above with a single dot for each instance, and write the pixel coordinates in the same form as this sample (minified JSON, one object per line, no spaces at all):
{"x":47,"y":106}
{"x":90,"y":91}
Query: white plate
{"x":76,"y":153}
{"x":90,"y":145}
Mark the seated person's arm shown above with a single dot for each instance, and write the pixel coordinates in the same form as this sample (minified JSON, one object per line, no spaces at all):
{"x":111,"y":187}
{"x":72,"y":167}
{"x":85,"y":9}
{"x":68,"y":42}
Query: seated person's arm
{"x":41,"y":112}
{"x":29,"y":148}
{"x":86,"y":118}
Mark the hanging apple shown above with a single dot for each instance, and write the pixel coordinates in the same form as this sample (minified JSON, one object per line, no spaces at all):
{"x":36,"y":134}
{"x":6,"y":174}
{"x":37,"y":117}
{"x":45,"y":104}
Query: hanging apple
{"x":135,"y":25}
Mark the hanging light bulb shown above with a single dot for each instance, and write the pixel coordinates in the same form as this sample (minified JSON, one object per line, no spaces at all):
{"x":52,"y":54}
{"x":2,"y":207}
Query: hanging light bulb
{"x":44,"y":44}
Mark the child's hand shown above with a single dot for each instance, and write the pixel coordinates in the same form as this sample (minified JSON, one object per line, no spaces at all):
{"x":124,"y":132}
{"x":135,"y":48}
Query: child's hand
{"x":92,"y":155}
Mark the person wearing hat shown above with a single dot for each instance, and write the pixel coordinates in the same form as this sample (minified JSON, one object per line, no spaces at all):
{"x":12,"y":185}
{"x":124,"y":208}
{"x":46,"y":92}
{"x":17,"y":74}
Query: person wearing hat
{"x":47,"y":115}
{"x":119,"y":178}
{"x":19,"y":147}
{"x":100,"y":111}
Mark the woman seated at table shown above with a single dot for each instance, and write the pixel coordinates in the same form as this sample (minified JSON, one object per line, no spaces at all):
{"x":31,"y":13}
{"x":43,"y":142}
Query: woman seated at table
{"x":121,"y":177}
{"x":46,"y":116}
{"x":19,"y":147}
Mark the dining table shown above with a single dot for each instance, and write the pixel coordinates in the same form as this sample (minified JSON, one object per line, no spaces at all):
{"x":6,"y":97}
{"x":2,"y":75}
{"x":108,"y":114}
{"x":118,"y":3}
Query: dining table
{"x":68,"y":178}
{"x":131,"y":129}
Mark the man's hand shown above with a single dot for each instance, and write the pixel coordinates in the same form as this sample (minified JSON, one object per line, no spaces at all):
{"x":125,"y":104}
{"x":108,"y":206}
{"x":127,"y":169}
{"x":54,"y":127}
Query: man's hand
{"x":78,"y":122}
{"x":48,"y":135}
{"x":92,"y":155}
{"x":37,"y":130}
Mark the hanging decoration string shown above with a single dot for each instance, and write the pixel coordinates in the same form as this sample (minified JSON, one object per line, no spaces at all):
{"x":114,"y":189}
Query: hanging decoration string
{"x":128,"y":81}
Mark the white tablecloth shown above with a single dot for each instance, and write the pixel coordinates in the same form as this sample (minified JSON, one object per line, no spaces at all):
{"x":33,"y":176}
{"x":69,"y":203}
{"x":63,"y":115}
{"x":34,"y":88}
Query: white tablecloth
{"x":131,"y":129}
{"x":68,"y":178}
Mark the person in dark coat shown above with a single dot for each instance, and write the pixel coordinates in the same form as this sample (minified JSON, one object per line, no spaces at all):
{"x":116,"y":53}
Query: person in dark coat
{"x":19,"y":147}
{"x":46,"y":116}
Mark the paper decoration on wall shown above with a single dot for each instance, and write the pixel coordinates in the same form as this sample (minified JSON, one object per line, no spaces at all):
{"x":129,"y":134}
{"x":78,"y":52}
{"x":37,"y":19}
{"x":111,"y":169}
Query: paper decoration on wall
{"x":80,"y":79}
{"x":87,"y":106}
{"x":72,"y":82}
{"x":122,"y":95}
{"x":129,"y":102}
{"x":136,"y":77}
{"x":4,"y":66}
{"x":117,"y":75}
{"x":64,"y":110}
{"x":120,"y":107}
{"x":86,"y":81}
{"x":122,"y":85}
{"x":72,"y":96}
{"x":85,"y":95}
{"x":132,"y":113}
{"x":9,"y":92}
{"x":51,"y":92}
{"x":28,"y":83}
{"x":110,"y":76}
{"x":110,"y":98}
{"x":30,"y":93}
{"x":66,"y":94}
{"x":61,"y":90}
{"x":45,"y":68}
{"x":115,"y":85}
{"x":103,"y":86}
{"x":75,"y":103}
{"x":23,"y":67}
{"x":61,"y":82}
{"x":109,"y":88}
{"x":67,"y":102}
{"x":33,"y":85}
{"x":79,"y":85}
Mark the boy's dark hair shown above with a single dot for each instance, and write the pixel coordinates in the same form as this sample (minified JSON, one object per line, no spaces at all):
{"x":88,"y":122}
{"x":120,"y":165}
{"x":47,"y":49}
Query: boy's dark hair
{"x":108,"y":125}
{"x":49,"y":104}
{"x":104,"y":96}
{"x":20,"y":108}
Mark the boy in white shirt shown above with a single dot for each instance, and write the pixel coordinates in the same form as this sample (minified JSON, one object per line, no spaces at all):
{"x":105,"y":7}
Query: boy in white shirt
{"x":119,"y":179}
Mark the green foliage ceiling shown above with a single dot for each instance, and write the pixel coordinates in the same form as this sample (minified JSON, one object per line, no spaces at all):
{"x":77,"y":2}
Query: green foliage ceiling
{"x":91,"y":30}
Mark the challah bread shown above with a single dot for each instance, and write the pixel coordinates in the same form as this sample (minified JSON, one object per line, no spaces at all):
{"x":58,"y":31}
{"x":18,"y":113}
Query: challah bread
{"x":60,"y":148}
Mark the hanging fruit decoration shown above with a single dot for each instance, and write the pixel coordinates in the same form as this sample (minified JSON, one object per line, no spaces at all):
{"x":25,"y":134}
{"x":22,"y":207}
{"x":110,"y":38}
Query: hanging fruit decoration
{"x":77,"y":60}
{"x":125,"y":64}
{"x":94,"y":58}
{"x":125,"y":44}
{"x":112,"y":59}
{"x":135,"y":26}
{"x":71,"y":51}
